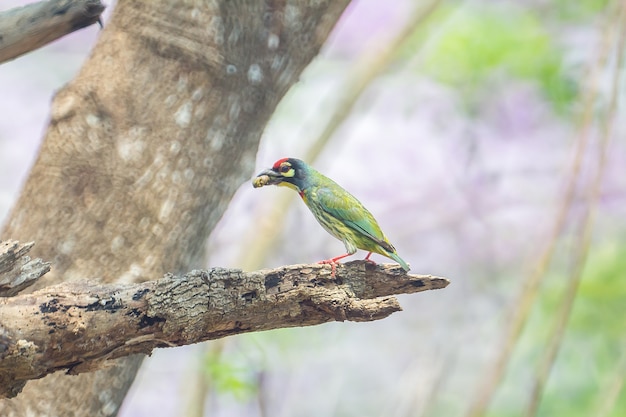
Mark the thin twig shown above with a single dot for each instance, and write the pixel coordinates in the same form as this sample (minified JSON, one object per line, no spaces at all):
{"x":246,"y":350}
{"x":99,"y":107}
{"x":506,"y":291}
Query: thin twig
{"x":609,"y":396}
{"x":581,"y":249}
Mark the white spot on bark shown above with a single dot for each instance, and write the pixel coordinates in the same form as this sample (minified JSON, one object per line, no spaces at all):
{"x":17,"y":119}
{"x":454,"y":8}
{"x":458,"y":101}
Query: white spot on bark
{"x":233,"y":36}
{"x":234,"y":110}
{"x":255,"y":74}
{"x":144,"y":222}
{"x":231,"y":69}
{"x":175,"y":147}
{"x":183,"y":114}
{"x":216,"y":139}
{"x":170,"y":100}
{"x":216,"y":29}
{"x":292,"y":15}
{"x":197,"y":94}
{"x":150,"y":261}
{"x":189,"y":174}
{"x":273,"y":41}
{"x":166,"y":209}
{"x":67,"y":246}
{"x":182,"y":83}
{"x":157,"y":230}
{"x":109,"y":407}
{"x":153,"y":170}
{"x":129,"y":145}
{"x":92,"y":120}
{"x":117,"y":243}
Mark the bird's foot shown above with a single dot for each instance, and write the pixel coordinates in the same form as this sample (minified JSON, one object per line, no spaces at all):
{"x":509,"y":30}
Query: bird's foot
{"x":368,"y":260}
{"x":333,"y":266}
{"x":333,"y":263}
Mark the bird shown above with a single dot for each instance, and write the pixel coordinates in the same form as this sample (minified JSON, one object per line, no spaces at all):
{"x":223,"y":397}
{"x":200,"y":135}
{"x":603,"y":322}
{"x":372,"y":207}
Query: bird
{"x":338,"y":211}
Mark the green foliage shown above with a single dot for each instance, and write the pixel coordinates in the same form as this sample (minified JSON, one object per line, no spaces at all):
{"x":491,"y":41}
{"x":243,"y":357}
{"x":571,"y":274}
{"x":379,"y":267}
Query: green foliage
{"x":594,"y":341}
{"x":230,"y":374}
{"x":601,"y":302}
{"x":472,"y":45}
{"x":595,"y":338}
{"x":579,"y":9}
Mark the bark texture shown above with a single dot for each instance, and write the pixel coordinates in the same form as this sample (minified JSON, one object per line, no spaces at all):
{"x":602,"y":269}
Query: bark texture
{"x":79,"y":326}
{"x":145,"y":149}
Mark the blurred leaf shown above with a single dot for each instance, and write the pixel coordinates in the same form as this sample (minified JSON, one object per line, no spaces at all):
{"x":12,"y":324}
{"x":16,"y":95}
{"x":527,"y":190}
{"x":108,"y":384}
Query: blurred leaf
{"x":601,"y":301}
{"x":579,"y":9}
{"x":473,"y":44}
{"x":230,"y":376}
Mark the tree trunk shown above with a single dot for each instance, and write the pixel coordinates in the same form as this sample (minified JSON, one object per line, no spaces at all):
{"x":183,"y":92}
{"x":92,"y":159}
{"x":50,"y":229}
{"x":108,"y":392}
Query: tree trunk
{"x":146,"y":147}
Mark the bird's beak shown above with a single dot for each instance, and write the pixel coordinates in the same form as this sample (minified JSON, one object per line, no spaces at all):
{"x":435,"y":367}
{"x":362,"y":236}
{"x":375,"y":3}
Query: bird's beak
{"x":267,"y":177}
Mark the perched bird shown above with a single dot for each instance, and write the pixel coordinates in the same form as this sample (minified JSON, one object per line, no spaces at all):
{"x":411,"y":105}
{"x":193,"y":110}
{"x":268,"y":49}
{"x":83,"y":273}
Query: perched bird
{"x":340,"y":213}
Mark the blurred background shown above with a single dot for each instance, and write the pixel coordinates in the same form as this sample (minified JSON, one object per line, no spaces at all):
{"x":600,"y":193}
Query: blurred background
{"x":488,"y":140}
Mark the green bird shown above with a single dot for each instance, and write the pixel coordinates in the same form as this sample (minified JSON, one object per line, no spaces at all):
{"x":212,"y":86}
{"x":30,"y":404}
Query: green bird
{"x":338,"y":211}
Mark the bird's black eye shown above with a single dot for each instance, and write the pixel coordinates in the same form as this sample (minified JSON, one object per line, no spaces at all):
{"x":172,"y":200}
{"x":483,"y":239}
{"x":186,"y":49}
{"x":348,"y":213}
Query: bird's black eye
{"x":284,"y":168}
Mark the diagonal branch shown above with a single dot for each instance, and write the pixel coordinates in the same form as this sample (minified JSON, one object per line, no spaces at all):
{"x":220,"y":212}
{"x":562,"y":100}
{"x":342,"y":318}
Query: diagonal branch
{"x":78,"y":326}
{"x":32,"y":26}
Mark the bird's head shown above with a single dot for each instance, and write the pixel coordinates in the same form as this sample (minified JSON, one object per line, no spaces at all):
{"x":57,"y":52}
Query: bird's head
{"x":289,"y":172}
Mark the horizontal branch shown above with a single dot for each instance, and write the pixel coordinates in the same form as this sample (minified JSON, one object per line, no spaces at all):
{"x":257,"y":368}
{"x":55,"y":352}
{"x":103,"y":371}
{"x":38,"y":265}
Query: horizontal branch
{"x":78,"y":326}
{"x":32,"y":26}
{"x":18,"y":271}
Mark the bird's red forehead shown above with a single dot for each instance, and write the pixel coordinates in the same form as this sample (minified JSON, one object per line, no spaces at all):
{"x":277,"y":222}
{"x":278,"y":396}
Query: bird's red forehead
{"x":278,"y":163}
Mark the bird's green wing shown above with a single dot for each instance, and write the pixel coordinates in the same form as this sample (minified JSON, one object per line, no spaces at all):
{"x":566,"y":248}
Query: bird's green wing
{"x":346,"y":208}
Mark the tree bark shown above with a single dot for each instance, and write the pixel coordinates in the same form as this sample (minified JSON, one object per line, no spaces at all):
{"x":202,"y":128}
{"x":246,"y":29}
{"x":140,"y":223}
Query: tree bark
{"x":145,"y":149}
{"x":18,"y":271}
{"x":79,"y":326}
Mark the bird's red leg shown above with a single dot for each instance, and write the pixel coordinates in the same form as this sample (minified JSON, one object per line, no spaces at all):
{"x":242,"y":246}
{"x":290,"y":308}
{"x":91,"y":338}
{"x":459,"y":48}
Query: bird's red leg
{"x":333,"y":263}
{"x":367,"y":258}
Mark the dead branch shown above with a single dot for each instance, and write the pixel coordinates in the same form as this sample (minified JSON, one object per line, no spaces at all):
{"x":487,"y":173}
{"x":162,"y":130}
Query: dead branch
{"x":27,"y":28}
{"x":79,"y":326}
{"x":18,"y":271}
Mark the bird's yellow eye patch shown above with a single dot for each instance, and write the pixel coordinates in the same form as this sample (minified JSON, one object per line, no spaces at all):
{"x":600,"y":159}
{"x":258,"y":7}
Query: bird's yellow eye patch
{"x":286,"y":170}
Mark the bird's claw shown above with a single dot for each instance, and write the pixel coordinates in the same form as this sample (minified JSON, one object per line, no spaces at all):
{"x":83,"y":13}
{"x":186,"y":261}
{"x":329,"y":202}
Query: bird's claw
{"x":369,"y":261}
{"x":333,"y":266}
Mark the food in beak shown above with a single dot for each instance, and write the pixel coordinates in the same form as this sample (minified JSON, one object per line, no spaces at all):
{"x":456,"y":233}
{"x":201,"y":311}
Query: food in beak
{"x":260,"y":181}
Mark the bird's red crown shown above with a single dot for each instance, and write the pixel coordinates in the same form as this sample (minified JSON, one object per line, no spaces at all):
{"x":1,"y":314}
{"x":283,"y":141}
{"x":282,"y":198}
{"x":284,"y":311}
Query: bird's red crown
{"x":277,"y":163}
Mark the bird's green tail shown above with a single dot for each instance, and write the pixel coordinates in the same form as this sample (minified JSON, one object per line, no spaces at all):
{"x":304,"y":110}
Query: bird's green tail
{"x":399,"y":260}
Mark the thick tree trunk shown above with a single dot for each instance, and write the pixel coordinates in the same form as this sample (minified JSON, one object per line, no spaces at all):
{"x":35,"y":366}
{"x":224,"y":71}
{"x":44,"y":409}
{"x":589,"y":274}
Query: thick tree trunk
{"x":145,"y":149}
